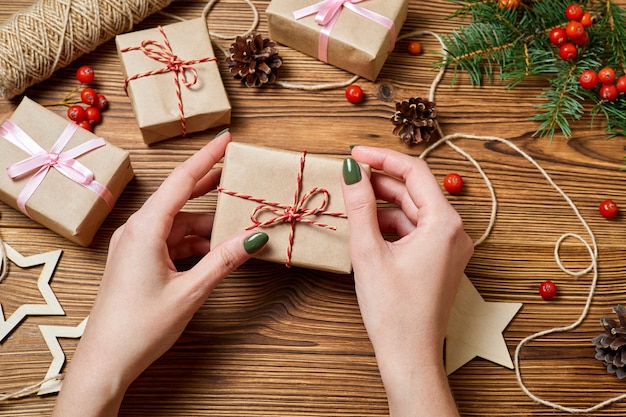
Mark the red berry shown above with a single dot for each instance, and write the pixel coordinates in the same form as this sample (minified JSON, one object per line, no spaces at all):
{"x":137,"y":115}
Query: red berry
{"x":76,"y":113}
{"x":414,"y":48}
{"x":606,"y":75}
{"x":101,"y":102}
{"x":453,"y":183}
{"x":574,"y":30}
{"x":86,"y":125}
{"x":92,"y":115}
{"x":588,"y":79}
{"x":354,"y":94}
{"x":88,"y":96}
{"x":547,"y":289}
{"x":568,"y":51}
{"x":508,"y":4}
{"x":608,"y":92}
{"x":558,"y":36}
{"x":85,"y":74}
{"x":574,"y":12}
{"x":587,"y":19}
{"x":608,"y":209}
{"x":582,"y":40}
{"x":621,"y":84}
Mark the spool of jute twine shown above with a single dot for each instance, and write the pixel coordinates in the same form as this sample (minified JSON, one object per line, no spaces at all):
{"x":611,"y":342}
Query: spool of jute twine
{"x":50,"y":34}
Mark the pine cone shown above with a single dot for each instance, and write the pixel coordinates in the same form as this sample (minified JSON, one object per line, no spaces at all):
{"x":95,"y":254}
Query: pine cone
{"x":610,"y":345}
{"x":254,"y":60}
{"x":414,"y":120}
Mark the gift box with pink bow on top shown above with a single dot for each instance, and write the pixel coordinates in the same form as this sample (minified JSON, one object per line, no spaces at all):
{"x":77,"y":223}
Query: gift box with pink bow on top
{"x":58,"y":174}
{"x":355,"y":35}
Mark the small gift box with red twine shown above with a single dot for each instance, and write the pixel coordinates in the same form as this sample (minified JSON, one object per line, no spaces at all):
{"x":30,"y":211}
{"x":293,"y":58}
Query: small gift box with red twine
{"x":294,"y":197}
{"x":58,"y":174}
{"x":355,"y":35}
{"x":173,"y":80}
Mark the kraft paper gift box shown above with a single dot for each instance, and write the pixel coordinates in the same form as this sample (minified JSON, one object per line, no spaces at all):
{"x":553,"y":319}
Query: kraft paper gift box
{"x":36,"y":143}
{"x":152,"y":84}
{"x":261,"y":182}
{"x":360,"y":35}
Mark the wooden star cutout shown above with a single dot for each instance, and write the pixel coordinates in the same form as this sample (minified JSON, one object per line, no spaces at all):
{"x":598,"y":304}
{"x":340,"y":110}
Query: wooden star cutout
{"x":51,"y":335}
{"x":52,"y":307}
{"x":475,"y":328}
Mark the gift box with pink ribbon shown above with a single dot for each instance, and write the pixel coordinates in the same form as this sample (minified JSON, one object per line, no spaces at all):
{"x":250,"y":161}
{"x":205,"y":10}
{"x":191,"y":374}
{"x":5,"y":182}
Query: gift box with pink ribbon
{"x":173,"y":80}
{"x":58,"y":174}
{"x":355,"y":35}
{"x":294,"y":197}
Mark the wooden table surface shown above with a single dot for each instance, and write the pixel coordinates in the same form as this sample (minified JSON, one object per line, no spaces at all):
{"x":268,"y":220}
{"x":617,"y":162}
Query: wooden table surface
{"x":275,"y":342}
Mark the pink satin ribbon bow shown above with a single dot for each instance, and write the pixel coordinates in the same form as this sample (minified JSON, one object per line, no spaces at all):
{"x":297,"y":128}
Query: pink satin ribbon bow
{"x":41,"y":162}
{"x":328,"y":12}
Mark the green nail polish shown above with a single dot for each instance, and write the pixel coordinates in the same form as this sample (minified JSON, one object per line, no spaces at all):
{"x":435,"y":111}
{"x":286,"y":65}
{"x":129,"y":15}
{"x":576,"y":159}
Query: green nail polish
{"x":351,"y":171}
{"x":255,"y":242}
{"x":221,"y":132}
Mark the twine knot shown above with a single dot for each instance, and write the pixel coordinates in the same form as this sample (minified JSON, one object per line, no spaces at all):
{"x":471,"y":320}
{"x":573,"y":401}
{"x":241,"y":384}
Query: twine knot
{"x":291,"y":214}
{"x":294,"y":213}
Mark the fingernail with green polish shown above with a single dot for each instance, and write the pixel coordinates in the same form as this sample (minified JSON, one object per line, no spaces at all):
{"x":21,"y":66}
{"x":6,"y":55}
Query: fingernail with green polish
{"x":221,"y":132}
{"x":255,"y":242}
{"x":351,"y":171}
{"x":352,"y":146}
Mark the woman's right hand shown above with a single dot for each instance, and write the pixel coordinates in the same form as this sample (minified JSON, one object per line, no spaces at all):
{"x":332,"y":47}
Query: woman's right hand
{"x":405,"y":287}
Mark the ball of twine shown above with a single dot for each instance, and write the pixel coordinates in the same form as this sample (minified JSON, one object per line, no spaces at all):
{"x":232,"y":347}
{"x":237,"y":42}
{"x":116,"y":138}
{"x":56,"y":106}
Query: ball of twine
{"x":50,"y":34}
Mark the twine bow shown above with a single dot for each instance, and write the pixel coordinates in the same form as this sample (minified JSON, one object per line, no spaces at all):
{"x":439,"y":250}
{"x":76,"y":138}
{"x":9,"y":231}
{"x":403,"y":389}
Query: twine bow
{"x":294,"y":213}
{"x":328,"y":11}
{"x":41,"y":161}
{"x":162,"y":52}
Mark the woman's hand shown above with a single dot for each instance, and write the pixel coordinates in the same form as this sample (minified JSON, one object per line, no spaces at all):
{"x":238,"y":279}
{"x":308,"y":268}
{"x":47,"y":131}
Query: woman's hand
{"x":144,"y":303}
{"x":405,"y":287}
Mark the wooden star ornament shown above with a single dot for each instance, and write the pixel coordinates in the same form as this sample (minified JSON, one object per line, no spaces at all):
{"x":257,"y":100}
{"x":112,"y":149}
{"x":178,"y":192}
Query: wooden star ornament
{"x":475,"y":328}
{"x":52,"y":307}
{"x":51,"y":335}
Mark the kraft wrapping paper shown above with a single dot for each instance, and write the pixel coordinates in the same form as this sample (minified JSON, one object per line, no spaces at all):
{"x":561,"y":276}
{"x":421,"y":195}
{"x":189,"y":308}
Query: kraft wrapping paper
{"x":271,"y":174}
{"x":60,"y":204}
{"x":154,"y":98}
{"x":357,"y":44}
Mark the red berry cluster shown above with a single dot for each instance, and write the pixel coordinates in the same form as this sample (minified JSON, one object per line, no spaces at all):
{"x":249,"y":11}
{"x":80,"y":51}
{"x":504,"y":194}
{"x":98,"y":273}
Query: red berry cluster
{"x":610,"y":85}
{"x":87,"y":117}
{"x":574,"y":34}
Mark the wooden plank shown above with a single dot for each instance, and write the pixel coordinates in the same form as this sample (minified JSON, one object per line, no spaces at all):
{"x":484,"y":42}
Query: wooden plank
{"x":279,"y":342}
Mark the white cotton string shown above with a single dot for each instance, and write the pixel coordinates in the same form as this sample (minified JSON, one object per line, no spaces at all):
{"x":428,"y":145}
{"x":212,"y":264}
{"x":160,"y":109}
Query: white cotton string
{"x":29,"y":390}
{"x":253,"y":25}
{"x":591,"y":248}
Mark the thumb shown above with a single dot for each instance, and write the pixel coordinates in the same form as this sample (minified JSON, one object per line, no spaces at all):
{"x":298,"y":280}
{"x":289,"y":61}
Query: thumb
{"x":360,"y":202}
{"x":226,"y":257}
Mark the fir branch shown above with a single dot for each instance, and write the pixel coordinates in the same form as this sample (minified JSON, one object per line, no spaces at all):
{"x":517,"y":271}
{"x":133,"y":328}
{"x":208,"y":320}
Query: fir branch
{"x":477,"y":49}
{"x":613,"y":114}
{"x":515,"y":44}
{"x":562,"y":101}
{"x":614,"y":18}
{"x":475,"y":8}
